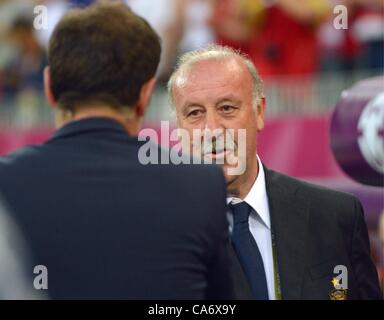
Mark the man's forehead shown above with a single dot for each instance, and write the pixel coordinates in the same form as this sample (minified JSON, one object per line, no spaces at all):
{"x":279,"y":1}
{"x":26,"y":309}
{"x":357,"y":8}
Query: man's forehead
{"x":214,"y":71}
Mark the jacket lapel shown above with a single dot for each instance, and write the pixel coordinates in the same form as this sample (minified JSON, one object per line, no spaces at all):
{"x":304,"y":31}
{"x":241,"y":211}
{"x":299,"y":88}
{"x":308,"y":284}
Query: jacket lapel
{"x":289,"y":220}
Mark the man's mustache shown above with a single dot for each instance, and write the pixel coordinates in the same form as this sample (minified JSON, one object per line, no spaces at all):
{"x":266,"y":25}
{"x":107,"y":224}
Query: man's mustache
{"x":217,"y":145}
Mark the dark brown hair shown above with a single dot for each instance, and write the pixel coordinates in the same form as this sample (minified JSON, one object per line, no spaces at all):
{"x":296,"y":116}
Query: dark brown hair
{"x":103,"y":53}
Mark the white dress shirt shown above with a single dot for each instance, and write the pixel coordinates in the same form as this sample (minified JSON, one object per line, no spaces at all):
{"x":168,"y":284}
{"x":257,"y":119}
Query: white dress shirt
{"x":260,"y":225}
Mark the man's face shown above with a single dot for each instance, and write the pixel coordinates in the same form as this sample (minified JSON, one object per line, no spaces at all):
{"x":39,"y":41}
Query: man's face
{"x":217,"y":95}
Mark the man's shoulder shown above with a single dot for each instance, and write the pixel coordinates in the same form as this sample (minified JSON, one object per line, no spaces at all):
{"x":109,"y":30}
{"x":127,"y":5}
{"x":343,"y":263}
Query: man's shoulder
{"x":197,"y":178}
{"x":184,"y":167}
{"x":311,"y":192}
{"x":20,"y":157}
{"x":35,"y":159}
{"x":326,"y":205}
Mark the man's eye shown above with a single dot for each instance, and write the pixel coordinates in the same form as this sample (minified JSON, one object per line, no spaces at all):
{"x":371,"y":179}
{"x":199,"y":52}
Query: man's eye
{"x":227,"y":108}
{"x":194,"y":113}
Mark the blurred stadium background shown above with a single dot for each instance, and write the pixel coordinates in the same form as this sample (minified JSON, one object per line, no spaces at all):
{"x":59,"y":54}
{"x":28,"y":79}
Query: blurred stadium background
{"x":304,"y":60}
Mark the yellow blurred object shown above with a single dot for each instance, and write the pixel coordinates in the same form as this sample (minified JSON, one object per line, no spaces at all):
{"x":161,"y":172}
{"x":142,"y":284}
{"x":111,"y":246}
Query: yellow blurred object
{"x":321,"y":8}
{"x":252,"y":11}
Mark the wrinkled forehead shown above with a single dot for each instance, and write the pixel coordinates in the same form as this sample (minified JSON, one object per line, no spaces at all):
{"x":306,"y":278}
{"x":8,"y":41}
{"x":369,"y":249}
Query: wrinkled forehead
{"x":221,"y":71}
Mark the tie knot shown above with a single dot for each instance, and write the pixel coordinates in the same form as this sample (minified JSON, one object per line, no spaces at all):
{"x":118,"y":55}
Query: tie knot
{"x":241,"y":212}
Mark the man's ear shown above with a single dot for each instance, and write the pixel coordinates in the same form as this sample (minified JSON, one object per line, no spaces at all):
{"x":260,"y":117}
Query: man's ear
{"x":47,"y":88}
{"x":260,"y":112}
{"x":145,"y":97}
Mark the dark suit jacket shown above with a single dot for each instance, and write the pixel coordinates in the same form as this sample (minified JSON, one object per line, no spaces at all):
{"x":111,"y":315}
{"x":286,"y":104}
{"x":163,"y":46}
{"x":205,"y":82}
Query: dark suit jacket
{"x":107,"y":226}
{"x":315,"y":230}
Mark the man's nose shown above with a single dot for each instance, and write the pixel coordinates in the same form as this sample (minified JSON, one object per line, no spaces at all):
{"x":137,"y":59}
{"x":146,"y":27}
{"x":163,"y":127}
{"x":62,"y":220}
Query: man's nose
{"x":212,"y":120}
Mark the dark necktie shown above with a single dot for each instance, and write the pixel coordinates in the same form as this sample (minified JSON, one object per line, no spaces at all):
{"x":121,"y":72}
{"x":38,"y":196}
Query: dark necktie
{"x":247,"y":250}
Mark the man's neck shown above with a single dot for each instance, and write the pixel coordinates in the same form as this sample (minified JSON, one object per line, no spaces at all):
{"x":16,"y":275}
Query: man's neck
{"x":241,"y":186}
{"x":128,"y":121}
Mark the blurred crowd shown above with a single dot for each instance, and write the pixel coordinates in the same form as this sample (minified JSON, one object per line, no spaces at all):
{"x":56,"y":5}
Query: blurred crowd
{"x":282,"y":37}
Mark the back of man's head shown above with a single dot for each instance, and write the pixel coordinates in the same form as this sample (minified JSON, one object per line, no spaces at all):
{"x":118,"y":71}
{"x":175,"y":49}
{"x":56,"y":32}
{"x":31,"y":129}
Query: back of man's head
{"x":102,"y":54}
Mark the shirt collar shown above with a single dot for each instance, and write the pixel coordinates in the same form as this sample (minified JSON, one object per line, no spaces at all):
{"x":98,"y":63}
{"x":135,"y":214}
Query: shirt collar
{"x":257,"y":197}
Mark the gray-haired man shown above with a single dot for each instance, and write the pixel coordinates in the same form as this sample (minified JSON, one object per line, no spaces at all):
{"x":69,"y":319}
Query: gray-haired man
{"x":290,"y":237}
